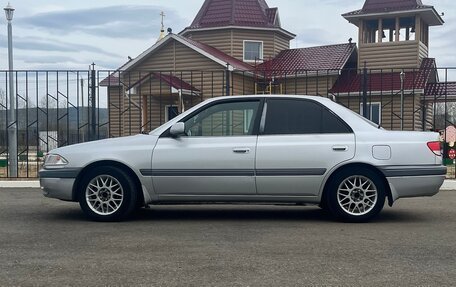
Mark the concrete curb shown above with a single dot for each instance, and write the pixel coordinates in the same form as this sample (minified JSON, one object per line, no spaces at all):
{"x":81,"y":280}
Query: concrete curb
{"x":447,"y":185}
{"x":20,"y":184}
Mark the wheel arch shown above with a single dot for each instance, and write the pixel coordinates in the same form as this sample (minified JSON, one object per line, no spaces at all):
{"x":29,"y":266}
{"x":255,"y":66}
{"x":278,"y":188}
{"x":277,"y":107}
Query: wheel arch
{"x":110,"y":163}
{"x":358,"y":165}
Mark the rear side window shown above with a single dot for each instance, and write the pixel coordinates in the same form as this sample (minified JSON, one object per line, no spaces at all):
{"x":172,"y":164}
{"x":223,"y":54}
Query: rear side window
{"x":290,"y":116}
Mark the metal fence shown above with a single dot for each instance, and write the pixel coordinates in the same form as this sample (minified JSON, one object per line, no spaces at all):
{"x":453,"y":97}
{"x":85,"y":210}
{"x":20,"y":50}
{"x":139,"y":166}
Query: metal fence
{"x":59,"y":108}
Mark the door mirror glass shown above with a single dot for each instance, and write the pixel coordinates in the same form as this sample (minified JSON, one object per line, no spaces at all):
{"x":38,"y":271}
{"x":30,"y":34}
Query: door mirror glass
{"x":178,"y":129}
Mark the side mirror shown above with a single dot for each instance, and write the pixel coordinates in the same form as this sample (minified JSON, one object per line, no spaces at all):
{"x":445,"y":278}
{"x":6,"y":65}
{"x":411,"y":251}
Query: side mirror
{"x":178,"y":129}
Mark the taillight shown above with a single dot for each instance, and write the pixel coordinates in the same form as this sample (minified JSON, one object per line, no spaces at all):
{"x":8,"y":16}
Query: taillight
{"x":435,"y":147}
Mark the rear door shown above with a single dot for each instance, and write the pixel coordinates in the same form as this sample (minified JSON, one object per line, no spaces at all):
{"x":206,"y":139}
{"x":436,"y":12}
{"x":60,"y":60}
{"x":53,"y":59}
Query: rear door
{"x":300,"y":141}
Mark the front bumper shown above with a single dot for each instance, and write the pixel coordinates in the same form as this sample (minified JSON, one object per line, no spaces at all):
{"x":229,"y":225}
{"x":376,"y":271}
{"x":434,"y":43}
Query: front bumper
{"x":416,"y":181}
{"x":60,"y":188}
{"x":58,"y":183}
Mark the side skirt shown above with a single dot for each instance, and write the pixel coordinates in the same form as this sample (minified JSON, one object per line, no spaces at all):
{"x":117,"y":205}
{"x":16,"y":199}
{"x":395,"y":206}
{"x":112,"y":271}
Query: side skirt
{"x":235,"y":199}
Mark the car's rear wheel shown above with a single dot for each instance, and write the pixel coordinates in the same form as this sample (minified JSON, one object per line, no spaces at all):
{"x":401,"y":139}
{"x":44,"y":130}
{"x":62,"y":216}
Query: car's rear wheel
{"x":356,"y":195}
{"x":107,"y":194}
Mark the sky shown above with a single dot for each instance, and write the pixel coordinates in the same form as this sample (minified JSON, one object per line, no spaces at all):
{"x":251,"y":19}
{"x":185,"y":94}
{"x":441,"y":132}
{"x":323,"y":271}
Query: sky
{"x":56,"y":34}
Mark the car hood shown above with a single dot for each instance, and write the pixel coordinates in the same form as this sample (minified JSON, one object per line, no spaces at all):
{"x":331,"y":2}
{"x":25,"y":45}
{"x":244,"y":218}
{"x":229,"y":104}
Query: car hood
{"x":129,"y":150}
{"x":111,"y":144}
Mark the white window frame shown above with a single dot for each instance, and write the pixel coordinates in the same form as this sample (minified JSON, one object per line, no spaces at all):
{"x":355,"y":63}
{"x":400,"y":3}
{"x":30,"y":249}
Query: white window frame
{"x":369,"y":106}
{"x":261,"y":50}
{"x":167,"y":111}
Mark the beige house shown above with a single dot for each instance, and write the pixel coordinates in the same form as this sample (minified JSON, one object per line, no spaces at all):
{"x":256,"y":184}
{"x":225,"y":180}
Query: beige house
{"x":239,"y":47}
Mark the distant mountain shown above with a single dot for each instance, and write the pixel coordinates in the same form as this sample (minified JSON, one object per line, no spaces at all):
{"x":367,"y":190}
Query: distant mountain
{"x":54,"y":119}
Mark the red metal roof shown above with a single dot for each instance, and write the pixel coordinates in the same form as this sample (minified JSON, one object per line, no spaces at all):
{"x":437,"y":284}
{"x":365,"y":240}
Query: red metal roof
{"x":441,"y":91}
{"x":380,"y":6}
{"x":390,"y":5}
{"x":322,"y":58}
{"x":111,"y":81}
{"x":168,"y":78}
{"x":175,"y":82}
{"x":272,"y":13}
{"x":350,"y":81}
{"x":246,"y":13}
{"x":235,"y":63}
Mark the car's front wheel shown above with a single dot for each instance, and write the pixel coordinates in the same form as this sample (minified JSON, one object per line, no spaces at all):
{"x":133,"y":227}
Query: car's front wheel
{"x":107,"y":194}
{"x":356,"y":195}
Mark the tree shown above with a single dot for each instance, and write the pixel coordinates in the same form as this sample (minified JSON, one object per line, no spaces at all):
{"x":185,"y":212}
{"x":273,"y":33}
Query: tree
{"x":2,"y":99}
{"x":47,"y":102}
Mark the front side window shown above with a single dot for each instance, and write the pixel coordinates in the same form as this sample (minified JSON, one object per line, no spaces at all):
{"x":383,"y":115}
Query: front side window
{"x":225,"y":119}
{"x":253,"y":50}
{"x":291,"y":117}
{"x":374,"y":112}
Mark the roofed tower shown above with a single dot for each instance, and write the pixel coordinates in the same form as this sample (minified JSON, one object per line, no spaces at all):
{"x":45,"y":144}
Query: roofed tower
{"x":248,"y":30}
{"x":393,"y":33}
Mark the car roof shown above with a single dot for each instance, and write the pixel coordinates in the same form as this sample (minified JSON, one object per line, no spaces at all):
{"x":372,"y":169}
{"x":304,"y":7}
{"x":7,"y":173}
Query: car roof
{"x":350,"y":117}
{"x":317,"y":98}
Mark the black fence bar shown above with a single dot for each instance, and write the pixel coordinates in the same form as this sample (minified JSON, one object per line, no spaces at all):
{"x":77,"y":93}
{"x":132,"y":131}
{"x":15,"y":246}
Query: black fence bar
{"x":58,"y":108}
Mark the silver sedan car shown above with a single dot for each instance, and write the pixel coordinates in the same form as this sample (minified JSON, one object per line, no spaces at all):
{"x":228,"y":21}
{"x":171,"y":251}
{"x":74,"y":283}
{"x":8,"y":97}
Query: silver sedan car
{"x":250,"y":149}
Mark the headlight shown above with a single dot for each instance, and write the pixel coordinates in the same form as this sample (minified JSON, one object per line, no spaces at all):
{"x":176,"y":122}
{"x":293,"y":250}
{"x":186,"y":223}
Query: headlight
{"x":54,"y":160}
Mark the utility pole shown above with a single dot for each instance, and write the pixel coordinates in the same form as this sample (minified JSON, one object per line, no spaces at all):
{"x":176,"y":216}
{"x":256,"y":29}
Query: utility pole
{"x":12,"y":125}
{"x":227,"y":80}
{"x":402,"y":99}
{"x":83,"y":113}
{"x":365,"y":112}
{"x":93,"y":91}
{"x":82,"y":92}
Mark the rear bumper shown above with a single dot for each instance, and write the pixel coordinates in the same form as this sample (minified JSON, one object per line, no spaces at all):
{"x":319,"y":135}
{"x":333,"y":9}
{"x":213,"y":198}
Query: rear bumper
{"x":414,"y":181}
{"x":415,"y":186}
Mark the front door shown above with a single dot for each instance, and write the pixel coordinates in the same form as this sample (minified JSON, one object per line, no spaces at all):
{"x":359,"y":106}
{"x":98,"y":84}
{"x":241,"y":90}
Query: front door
{"x":215,"y":157}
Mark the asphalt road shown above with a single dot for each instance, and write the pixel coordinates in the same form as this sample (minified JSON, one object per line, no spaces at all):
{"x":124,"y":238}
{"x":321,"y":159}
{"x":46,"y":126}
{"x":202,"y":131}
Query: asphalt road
{"x":49,"y":243}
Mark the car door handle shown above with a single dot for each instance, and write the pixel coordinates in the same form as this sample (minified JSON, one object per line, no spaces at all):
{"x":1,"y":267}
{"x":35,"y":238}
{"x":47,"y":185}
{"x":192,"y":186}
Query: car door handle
{"x":241,"y":150}
{"x":340,"y":148}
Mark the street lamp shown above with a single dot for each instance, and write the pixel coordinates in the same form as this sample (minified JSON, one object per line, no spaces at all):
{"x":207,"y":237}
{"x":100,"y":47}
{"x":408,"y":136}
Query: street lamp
{"x":9,"y":11}
{"x":12,"y":125}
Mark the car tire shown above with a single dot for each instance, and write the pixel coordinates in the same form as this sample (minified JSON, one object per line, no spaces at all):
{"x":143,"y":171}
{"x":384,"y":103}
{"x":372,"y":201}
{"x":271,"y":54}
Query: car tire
{"x":355,"y":195}
{"x":107,"y":194}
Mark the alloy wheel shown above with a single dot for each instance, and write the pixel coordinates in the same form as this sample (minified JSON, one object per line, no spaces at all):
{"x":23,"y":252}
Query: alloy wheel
{"x":357,"y":195}
{"x":104,"y":195}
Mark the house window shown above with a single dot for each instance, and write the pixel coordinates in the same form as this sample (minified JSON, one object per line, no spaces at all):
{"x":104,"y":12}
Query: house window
{"x":171,"y":112}
{"x":253,"y":50}
{"x":374,"y":112}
